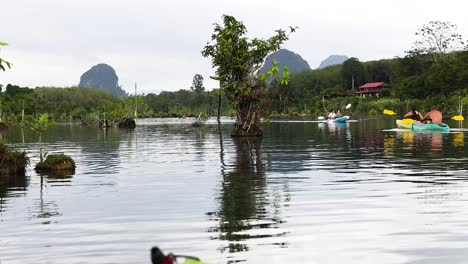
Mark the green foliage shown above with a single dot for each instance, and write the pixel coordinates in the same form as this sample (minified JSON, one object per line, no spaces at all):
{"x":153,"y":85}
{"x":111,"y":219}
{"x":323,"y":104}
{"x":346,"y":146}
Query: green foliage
{"x":3,"y":62}
{"x":372,"y":112}
{"x":41,"y":124}
{"x":185,"y":103}
{"x":235,"y":57}
{"x":237,"y":60}
{"x":12,"y":161}
{"x":353,"y":73}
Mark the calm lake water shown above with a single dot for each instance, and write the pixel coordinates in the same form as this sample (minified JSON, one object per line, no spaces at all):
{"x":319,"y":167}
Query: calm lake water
{"x":307,"y":192}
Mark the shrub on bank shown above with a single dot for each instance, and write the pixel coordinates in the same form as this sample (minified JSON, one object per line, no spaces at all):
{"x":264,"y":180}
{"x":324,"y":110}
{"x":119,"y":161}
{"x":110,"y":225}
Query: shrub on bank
{"x":12,"y":161}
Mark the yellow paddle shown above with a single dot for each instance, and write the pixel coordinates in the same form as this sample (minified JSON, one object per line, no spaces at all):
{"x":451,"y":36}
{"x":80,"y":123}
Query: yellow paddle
{"x":389,"y":112}
{"x":458,"y":118}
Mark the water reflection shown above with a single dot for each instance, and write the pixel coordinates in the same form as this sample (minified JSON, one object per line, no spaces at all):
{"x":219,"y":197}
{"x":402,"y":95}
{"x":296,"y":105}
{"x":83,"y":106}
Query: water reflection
{"x":359,"y":192}
{"x":244,"y":202}
{"x":44,"y":209}
{"x":12,"y":186}
{"x":458,"y":139}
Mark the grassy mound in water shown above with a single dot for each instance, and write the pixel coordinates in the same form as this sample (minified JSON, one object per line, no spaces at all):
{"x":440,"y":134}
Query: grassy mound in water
{"x":56,"y":162}
{"x":12,"y":161}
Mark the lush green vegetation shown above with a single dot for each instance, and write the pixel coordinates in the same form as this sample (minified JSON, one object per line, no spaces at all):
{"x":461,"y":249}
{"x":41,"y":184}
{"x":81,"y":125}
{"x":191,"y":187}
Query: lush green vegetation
{"x":87,"y":104}
{"x":417,"y":80}
{"x":434,"y":72}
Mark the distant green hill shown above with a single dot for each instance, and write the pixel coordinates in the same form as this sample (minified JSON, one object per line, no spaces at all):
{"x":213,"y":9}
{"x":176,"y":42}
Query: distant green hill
{"x":295,"y":62}
{"x":102,"y":76}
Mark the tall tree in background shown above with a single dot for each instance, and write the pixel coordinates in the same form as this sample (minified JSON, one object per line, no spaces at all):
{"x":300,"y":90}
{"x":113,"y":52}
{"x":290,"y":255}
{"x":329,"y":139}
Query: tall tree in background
{"x":437,"y":39}
{"x":237,"y":60}
{"x":353,"y":74}
{"x":3,"y":62}
{"x":197,"y":84}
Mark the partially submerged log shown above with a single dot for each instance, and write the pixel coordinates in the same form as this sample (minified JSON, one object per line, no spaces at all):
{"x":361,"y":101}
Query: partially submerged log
{"x":127,"y":123}
{"x":56,"y":162}
{"x":201,"y":120}
{"x":11,"y":161}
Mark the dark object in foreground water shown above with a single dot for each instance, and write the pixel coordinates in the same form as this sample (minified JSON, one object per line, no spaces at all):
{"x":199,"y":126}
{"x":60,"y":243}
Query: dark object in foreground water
{"x":158,"y":257}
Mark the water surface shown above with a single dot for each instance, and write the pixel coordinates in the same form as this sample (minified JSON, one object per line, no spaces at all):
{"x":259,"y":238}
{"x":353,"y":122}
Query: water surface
{"x":307,"y":192}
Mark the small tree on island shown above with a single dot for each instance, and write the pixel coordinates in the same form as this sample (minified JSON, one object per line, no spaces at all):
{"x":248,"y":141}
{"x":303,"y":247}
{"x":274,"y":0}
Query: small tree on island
{"x":237,"y":61}
{"x":40,"y":125}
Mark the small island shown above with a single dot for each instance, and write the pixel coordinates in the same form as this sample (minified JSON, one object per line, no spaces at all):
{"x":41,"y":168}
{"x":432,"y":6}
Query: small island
{"x":56,"y":162}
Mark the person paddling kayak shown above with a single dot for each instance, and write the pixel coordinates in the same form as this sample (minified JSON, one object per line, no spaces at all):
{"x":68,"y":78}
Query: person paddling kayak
{"x":434,"y":115}
{"x":414,"y":114}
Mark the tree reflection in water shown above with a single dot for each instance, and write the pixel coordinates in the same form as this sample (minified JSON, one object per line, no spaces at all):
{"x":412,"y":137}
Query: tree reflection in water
{"x":11,"y":185}
{"x":244,"y":209}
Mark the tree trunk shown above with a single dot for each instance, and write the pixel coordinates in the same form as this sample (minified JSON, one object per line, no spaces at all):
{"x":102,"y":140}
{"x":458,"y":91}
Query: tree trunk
{"x":247,"y":120}
{"x":40,"y":147}
{"x":219,"y":105}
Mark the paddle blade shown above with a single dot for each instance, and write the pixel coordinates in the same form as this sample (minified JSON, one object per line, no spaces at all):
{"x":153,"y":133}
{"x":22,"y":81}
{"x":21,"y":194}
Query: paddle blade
{"x":388,"y":112}
{"x":347,"y":106}
{"x":408,"y":121}
{"x":458,"y":118}
{"x":320,"y":118}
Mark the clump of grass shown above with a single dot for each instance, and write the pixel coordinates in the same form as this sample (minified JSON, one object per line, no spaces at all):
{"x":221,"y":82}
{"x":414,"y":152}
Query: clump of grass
{"x":11,"y":161}
{"x":56,"y":162}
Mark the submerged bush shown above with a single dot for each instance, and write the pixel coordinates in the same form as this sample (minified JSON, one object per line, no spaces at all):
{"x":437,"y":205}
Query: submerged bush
{"x":56,"y":162}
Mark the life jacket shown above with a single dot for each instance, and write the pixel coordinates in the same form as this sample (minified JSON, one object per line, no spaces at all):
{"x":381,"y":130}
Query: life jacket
{"x":415,"y":116}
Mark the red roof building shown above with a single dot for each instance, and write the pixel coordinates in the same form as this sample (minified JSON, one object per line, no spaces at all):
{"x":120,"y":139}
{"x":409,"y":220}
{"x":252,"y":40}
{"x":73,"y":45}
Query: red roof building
{"x":371,"y":89}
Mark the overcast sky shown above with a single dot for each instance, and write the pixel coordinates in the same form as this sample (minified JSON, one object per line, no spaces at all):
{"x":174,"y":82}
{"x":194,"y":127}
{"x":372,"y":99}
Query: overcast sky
{"x":158,"y":43}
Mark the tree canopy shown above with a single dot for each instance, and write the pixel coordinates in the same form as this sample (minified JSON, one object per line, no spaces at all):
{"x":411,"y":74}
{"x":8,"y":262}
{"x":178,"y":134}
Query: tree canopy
{"x":437,"y":39}
{"x":197,"y":84}
{"x":237,"y":60}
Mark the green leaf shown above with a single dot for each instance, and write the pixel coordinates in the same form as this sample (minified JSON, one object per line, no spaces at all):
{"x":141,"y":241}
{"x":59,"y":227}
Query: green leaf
{"x":285,"y":76}
{"x":248,"y":91}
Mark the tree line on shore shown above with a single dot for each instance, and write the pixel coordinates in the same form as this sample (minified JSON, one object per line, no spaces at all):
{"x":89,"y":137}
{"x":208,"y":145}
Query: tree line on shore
{"x":416,"y":80}
{"x":77,"y":103}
